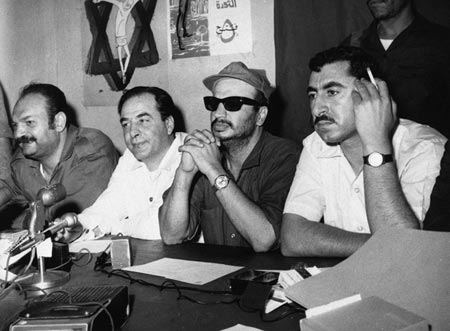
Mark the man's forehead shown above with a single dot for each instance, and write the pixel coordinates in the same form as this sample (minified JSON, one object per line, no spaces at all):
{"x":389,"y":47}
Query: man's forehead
{"x":30,"y":105}
{"x":332,"y":72}
{"x":137,"y":105}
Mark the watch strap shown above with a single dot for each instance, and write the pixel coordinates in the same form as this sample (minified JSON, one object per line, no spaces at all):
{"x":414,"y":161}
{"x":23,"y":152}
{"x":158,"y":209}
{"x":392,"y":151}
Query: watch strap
{"x":219,"y":182}
{"x":386,"y":158}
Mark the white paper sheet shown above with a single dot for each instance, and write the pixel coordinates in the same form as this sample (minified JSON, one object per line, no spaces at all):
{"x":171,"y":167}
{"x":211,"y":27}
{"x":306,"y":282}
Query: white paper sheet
{"x":406,"y":267}
{"x":192,"y":272}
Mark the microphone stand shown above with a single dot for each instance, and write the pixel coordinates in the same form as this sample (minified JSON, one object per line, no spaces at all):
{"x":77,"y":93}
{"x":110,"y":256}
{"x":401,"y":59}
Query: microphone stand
{"x":43,"y":279}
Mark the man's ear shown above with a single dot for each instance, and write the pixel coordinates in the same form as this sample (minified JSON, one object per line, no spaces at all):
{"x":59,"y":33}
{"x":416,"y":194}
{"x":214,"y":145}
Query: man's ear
{"x":170,"y":124}
{"x":60,"y":121}
{"x":262,"y":115}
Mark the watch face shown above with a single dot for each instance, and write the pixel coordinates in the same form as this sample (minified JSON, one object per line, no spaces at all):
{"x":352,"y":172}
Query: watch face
{"x":221,"y":181}
{"x":375,"y":159}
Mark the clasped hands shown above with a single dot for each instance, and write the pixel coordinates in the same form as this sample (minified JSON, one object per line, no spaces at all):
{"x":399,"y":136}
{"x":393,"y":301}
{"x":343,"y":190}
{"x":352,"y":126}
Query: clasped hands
{"x":201,"y":153}
{"x":375,"y":115}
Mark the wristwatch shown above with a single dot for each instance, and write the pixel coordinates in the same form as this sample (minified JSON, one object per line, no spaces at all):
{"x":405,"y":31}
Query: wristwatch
{"x":221,"y":182}
{"x":376,"y":159}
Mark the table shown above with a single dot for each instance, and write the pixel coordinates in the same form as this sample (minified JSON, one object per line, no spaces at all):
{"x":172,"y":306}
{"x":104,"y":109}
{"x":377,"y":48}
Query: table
{"x":155,"y":310}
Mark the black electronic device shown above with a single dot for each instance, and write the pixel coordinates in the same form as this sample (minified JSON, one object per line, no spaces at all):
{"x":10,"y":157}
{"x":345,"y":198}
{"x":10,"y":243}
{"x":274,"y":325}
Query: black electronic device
{"x":240,"y":281}
{"x":94,"y":308}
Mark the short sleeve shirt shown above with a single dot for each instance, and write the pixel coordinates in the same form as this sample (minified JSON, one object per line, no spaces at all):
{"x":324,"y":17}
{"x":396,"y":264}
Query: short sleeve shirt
{"x":326,"y":186}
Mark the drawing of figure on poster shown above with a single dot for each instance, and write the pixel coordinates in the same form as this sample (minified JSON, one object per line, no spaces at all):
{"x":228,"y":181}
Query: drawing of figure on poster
{"x":189,"y":35}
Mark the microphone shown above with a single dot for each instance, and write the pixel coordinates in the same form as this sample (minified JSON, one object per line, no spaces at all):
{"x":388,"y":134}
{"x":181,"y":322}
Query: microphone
{"x":69,"y":221}
{"x":51,"y":194}
{"x":46,"y":196}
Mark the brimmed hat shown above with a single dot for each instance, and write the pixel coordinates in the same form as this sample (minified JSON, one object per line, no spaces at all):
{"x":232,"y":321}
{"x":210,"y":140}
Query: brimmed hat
{"x":238,"y":70}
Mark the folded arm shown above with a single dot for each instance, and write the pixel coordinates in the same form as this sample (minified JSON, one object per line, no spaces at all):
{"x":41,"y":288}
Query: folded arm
{"x":301,"y":237}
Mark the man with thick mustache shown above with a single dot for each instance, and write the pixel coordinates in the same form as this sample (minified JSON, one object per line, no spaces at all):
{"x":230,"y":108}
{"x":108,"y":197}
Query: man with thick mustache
{"x":52,"y":151}
{"x":414,"y":57}
{"x":361,"y":170}
{"x":245,"y":172}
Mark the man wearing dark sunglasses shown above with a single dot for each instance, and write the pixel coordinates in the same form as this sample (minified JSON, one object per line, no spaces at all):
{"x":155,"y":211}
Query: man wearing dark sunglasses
{"x":244,"y":173}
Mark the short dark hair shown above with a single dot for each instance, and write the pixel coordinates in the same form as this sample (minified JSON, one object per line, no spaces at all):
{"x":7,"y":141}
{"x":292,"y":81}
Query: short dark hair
{"x":55,"y":98}
{"x":359,"y":60}
{"x":164,"y":101}
{"x":260,"y":97}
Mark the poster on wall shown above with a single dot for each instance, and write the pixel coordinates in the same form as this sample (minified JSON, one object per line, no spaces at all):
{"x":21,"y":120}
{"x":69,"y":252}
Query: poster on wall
{"x":209,"y":27}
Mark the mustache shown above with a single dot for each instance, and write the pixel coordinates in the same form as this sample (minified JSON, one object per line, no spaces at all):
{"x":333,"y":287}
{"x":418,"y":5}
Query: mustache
{"x":222,"y":121}
{"x":322,"y":118}
{"x":25,"y":139}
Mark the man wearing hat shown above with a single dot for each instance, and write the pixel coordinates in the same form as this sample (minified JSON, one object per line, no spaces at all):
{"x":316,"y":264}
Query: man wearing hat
{"x":233,"y":179}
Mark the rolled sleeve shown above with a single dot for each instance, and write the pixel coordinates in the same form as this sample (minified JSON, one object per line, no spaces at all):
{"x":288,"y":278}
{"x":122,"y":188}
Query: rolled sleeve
{"x":419,"y":176}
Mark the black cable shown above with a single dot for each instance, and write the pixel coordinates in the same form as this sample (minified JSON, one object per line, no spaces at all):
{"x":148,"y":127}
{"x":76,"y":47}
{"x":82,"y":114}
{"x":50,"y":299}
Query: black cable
{"x":61,"y":265}
{"x":291,"y":310}
{"x":80,"y":255}
{"x":171,"y":285}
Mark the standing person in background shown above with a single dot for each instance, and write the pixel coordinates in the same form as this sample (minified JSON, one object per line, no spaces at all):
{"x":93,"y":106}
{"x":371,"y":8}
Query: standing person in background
{"x":414,"y":58}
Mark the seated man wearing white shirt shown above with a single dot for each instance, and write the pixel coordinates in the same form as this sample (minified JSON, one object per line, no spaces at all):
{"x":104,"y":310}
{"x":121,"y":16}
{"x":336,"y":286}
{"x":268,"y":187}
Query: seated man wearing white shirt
{"x":130,"y":203}
{"x":361,"y":170}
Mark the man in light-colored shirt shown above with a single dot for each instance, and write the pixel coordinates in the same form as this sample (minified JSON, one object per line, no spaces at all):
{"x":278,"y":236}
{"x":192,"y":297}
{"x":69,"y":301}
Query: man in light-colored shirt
{"x":130,"y":203}
{"x":360,"y":170}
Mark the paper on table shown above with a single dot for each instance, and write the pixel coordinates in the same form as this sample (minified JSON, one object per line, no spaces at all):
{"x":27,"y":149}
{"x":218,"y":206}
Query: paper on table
{"x":193,"y":272}
{"x":408,"y":268}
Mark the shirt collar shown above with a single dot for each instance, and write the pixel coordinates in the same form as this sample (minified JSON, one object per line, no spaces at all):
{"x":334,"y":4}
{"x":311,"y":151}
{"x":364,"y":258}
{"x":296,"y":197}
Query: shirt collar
{"x":417,"y":24}
{"x":254,"y":158}
{"x":69,"y":145}
{"x":167,"y":162}
{"x":172,"y":155}
{"x":323,"y":150}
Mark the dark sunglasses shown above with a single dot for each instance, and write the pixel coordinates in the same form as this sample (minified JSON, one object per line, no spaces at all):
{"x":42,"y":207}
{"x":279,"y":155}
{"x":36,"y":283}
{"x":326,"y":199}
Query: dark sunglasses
{"x":230,"y":103}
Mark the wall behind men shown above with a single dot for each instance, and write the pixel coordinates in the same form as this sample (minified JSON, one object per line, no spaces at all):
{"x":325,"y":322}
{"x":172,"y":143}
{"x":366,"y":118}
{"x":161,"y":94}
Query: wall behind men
{"x":45,"y":41}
